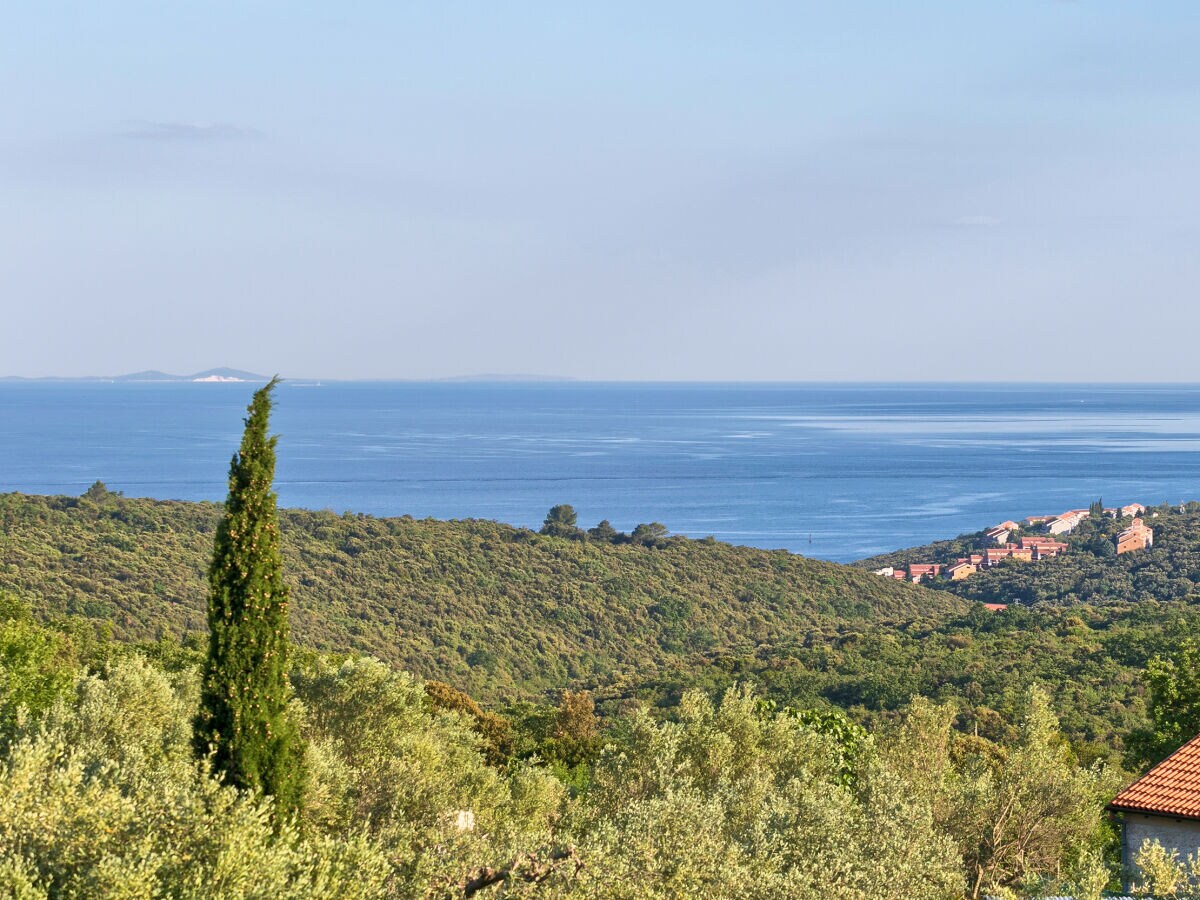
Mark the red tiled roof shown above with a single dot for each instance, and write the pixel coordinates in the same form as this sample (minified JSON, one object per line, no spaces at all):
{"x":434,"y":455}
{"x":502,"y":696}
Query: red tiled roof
{"x":1136,"y":529}
{"x":996,"y":607}
{"x":1172,"y":788}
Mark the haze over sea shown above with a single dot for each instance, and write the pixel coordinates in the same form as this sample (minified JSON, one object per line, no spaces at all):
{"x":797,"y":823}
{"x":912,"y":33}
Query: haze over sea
{"x":828,"y":470}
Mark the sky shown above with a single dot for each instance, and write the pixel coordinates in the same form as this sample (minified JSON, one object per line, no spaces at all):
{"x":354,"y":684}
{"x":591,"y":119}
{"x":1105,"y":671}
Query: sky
{"x":645,"y":191}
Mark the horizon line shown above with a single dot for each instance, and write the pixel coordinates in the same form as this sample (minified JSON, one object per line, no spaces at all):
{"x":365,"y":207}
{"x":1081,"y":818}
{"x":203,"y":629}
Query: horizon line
{"x":552,"y":380}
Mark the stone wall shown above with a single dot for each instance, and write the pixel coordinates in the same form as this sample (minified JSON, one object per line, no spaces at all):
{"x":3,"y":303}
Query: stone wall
{"x":1174,"y":834}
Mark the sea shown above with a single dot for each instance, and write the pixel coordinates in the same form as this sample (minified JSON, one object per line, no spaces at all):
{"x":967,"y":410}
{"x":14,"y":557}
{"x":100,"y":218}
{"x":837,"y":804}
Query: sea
{"x":835,"y":471}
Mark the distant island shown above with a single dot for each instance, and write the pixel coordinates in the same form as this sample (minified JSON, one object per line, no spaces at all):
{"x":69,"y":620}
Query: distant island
{"x":218,"y":375}
{"x":225,"y":375}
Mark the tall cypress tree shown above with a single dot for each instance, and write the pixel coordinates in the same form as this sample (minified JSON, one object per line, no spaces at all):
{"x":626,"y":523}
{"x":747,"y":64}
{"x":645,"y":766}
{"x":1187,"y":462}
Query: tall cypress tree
{"x":243,"y":720}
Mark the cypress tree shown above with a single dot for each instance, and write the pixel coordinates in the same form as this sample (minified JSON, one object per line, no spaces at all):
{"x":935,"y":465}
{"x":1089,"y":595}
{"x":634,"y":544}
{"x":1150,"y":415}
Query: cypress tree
{"x":243,"y":720}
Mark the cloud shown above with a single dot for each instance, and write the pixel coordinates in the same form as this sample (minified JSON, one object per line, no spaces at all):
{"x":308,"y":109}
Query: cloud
{"x":976,"y":221}
{"x":189,"y":132}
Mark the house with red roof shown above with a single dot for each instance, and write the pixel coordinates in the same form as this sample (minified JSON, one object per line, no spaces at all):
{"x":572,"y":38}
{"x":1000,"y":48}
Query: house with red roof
{"x":1163,"y":805}
{"x":998,"y":535}
{"x":1067,"y":522}
{"x":993,"y":555}
{"x":917,"y":571}
{"x":964,"y":568}
{"x":1137,"y":536}
{"x":1043,"y":547}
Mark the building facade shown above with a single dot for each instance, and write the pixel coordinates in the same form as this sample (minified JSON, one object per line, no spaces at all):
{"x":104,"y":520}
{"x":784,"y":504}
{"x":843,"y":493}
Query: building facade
{"x":1163,"y":805}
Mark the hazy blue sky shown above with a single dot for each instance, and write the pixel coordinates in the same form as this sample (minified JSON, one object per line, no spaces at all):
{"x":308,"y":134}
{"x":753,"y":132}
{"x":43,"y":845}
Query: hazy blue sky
{"x":891,"y":190}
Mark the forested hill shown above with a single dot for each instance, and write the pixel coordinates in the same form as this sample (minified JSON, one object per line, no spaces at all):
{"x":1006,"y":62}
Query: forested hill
{"x":497,"y":610}
{"x":1090,"y":572}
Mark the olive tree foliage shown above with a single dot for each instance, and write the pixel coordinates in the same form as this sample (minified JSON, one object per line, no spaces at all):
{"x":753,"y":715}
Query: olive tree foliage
{"x":1162,"y":873}
{"x":730,"y":801}
{"x":101,"y":795}
{"x":385,"y":760}
{"x":102,"y":798}
{"x":33,"y":673}
{"x":1024,"y":817}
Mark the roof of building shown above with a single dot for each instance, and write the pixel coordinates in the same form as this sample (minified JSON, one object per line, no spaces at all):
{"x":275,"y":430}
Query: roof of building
{"x":1172,"y":788}
{"x":1137,"y":529}
{"x":996,"y":607}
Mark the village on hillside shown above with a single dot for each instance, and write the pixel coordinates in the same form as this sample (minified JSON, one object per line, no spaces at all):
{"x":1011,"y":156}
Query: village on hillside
{"x":1027,"y":548}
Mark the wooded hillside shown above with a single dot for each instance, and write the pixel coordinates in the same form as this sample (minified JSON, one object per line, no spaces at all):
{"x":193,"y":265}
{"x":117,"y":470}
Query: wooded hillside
{"x":1090,"y":572}
{"x":496,"y":610}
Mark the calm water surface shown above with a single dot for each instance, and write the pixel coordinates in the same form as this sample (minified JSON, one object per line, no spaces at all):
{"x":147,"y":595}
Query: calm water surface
{"x":834,"y":471}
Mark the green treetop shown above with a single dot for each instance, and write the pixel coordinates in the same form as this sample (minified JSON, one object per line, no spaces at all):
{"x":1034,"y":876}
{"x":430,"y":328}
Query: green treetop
{"x":560,"y":522}
{"x":243,"y":720}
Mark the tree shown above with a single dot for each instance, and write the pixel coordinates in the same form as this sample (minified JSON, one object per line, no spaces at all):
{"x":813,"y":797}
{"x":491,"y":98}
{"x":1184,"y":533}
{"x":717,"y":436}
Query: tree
{"x":576,"y":729}
{"x":244,"y":722}
{"x":1174,"y":707}
{"x":1025,"y":817}
{"x":604,"y":531}
{"x":652,"y":534}
{"x":560,"y":522}
{"x":97,"y":493}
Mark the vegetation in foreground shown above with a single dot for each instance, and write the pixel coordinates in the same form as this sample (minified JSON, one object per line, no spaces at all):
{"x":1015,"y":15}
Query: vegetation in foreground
{"x":514,"y":617}
{"x":411,"y":793}
{"x":244,"y":728}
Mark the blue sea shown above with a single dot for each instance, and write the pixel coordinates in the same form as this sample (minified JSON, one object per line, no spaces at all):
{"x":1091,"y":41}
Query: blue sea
{"x":833,"y":471}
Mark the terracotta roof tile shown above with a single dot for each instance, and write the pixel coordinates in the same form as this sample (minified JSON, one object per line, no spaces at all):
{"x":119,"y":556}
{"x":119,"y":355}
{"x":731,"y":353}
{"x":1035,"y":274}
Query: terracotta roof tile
{"x":1171,"y":788}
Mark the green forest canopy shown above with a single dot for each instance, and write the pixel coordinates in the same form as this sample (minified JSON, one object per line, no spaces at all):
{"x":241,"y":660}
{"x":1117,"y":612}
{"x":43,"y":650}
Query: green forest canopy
{"x":508,"y":615}
{"x":496,"y":610}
